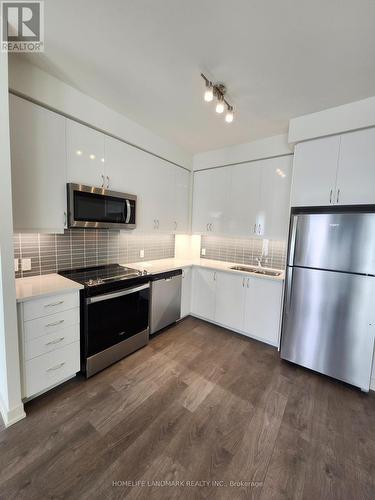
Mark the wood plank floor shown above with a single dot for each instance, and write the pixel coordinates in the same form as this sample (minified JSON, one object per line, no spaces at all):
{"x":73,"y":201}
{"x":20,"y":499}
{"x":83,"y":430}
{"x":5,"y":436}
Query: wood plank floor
{"x":199,"y":413}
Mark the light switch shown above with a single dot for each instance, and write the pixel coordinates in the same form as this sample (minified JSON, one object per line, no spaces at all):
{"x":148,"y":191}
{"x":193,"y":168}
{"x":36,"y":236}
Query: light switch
{"x":203,"y":251}
{"x":26,"y":264}
{"x":141,"y":253}
{"x":16,"y":266}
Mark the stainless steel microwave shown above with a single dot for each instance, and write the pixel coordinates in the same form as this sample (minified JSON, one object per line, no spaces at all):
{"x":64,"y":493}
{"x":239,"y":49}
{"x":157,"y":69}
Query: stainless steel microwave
{"x":94,"y":207}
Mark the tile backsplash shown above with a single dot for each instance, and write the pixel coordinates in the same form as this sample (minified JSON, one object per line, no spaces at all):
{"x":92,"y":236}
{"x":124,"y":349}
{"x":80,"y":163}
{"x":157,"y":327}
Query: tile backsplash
{"x":87,"y":247}
{"x":245,"y":250}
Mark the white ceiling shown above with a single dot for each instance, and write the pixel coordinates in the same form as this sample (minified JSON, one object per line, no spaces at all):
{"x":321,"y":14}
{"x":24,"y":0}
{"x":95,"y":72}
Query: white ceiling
{"x":278,"y":58}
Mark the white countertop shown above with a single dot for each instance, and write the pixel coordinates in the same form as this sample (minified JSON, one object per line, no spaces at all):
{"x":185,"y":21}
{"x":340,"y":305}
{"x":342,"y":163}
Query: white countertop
{"x":41,"y":286}
{"x":51,"y":284}
{"x":163,"y":265}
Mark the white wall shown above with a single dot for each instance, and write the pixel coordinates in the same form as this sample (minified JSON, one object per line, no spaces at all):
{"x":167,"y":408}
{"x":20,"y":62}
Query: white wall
{"x":10,"y":390}
{"x":248,"y":151}
{"x":28,"y":80}
{"x":352,"y":116}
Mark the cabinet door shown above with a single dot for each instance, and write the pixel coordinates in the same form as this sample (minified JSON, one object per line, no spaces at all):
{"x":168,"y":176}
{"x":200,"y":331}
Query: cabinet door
{"x":203,"y":293}
{"x":314,"y":172}
{"x":210,"y":205}
{"x":165,"y":196}
{"x":356,"y":174}
{"x":181,"y":204}
{"x":85,"y":155}
{"x":186,"y":291}
{"x":274,"y":208}
{"x":38,"y":157}
{"x":230,"y":297}
{"x":122,"y":166}
{"x":244,"y":199}
{"x":263,"y":309}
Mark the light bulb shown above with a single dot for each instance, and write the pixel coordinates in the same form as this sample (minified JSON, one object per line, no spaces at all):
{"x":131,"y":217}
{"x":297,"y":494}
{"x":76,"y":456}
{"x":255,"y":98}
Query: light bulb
{"x":79,"y":152}
{"x":229,"y":115}
{"x":209,"y":92}
{"x":92,"y":157}
{"x":220,"y":105}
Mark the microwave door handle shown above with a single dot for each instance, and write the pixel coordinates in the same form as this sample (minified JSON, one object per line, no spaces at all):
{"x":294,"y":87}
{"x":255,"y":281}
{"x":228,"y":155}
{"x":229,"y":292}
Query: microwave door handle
{"x":128,"y":211}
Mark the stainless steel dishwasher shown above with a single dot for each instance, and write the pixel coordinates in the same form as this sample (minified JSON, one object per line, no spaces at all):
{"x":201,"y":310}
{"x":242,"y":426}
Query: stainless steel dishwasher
{"x":165,"y":306}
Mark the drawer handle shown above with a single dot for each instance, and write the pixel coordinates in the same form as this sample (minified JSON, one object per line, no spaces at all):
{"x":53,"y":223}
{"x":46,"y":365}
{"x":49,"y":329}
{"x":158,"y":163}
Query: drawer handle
{"x":56,"y":323}
{"x":53,"y":368}
{"x":57,"y":341}
{"x":54,"y":303}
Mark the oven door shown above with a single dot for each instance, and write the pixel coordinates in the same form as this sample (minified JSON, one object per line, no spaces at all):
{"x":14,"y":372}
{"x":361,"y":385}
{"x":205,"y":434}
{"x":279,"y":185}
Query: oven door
{"x":115,"y":317}
{"x":100,"y":208}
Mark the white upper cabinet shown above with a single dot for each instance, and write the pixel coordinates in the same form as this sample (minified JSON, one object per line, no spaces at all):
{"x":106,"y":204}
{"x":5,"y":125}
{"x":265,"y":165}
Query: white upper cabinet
{"x":338,"y":170}
{"x":210,"y":204}
{"x":244,"y":199}
{"x":181,"y":203}
{"x":315,"y":171}
{"x":122,"y":165}
{"x":273,"y":214}
{"x":356,"y":173}
{"x":38,"y":158}
{"x":85,"y":155}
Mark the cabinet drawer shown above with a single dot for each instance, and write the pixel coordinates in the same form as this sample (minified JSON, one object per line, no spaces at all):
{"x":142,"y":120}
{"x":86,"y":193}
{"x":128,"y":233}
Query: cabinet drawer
{"x":49,"y":305}
{"x":50,"y":369}
{"x":51,"y":341}
{"x":41,"y":326}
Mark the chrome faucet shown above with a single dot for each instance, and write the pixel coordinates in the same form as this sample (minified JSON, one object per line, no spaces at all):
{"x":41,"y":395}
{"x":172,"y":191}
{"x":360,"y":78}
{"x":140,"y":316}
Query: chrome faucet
{"x":261,"y":260}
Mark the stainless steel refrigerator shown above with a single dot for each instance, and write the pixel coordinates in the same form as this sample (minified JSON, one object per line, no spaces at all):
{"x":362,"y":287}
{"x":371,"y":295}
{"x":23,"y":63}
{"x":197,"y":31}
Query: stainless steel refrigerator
{"x":329,"y":306}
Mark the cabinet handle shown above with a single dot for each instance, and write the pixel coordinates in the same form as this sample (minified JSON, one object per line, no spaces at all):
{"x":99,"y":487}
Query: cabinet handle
{"x":255,"y":228}
{"x":248,"y":283}
{"x":158,"y":223}
{"x":215,"y":276}
{"x":57,"y":341}
{"x":56,"y":323}
{"x":175,"y":225}
{"x":330,"y":197}
{"x":259,"y":229}
{"x":103,"y":180}
{"x":211,"y":226}
{"x":243,"y":282}
{"x":65,"y":220}
{"x":107,"y":182}
{"x":54,"y":304}
{"x":55,"y":367}
{"x":338,"y":196}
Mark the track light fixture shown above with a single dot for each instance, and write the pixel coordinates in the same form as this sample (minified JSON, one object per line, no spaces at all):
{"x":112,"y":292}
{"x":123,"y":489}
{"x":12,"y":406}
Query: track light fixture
{"x":218,"y":90}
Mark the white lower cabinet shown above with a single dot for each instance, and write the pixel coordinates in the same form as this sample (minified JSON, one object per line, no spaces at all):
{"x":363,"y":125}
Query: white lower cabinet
{"x":49,"y":333}
{"x":262,"y":309}
{"x":203,"y":293}
{"x":246,"y":304}
{"x":186,"y":291}
{"x":230,"y":298}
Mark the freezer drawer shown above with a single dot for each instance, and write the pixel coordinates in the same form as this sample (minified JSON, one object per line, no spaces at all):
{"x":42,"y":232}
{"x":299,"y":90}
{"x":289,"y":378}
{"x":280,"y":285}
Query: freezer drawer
{"x":329,"y":322}
{"x":165,"y":302}
{"x":335,"y":241}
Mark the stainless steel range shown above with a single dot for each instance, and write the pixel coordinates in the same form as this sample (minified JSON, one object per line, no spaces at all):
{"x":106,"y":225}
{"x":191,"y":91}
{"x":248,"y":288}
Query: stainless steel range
{"x":114,"y":313}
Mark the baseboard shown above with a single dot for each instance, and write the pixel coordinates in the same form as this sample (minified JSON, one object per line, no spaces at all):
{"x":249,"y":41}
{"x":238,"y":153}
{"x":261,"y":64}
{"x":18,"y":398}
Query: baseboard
{"x":239,"y":332}
{"x":10,"y":417}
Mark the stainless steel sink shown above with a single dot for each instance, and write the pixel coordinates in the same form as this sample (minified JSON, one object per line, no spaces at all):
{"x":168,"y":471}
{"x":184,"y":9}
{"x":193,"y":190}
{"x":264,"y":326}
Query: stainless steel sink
{"x":256,"y":270}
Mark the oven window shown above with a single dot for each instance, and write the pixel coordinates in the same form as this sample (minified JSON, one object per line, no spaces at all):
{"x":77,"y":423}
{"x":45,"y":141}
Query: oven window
{"x":91,"y":207}
{"x":113,"y":320}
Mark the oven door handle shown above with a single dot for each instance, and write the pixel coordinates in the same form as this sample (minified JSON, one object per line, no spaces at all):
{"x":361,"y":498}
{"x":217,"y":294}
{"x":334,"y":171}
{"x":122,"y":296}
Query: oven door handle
{"x":114,"y":295}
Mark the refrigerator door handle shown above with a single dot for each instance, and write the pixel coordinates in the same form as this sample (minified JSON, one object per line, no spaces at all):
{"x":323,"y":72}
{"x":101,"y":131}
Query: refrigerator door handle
{"x":330,"y":196}
{"x":292,"y":244}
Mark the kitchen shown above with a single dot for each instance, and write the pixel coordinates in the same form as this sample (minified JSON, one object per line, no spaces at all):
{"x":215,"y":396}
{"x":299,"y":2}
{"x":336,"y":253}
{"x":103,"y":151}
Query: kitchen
{"x":186,"y":300}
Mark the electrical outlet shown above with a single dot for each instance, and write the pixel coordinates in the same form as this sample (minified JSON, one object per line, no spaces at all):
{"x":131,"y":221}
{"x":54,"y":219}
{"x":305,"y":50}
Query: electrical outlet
{"x":203,"y":251}
{"x":26,"y":264}
{"x":16,"y":265}
{"x":141,"y":253}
